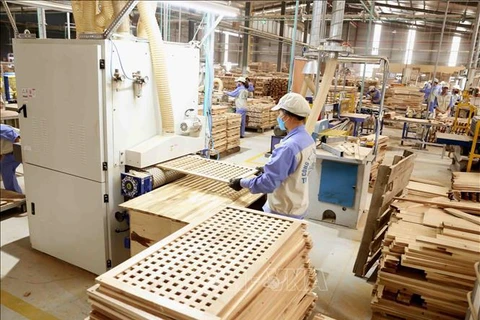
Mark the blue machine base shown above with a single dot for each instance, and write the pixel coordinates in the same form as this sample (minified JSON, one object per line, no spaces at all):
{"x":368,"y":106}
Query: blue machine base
{"x":338,"y":181}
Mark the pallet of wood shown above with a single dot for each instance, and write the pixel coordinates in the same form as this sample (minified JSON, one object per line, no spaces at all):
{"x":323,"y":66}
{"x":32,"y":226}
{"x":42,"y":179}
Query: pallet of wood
{"x":466,"y":185}
{"x":401,"y":98}
{"x":278,"y":87}
{"x":219,"y":133}
{"x":427,"y":263}
{"x":258,"y":115}
{"x":234,"y":264}
{"x":234,"y":121}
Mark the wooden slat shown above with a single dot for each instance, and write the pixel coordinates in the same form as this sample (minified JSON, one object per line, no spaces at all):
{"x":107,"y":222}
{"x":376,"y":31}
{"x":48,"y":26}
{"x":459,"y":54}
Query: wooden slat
{"x":207,"y":168}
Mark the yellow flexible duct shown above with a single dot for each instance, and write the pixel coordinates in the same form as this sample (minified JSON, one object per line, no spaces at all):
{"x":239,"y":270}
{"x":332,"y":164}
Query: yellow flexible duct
{"x":157,"y":50}
{"x":104,"y":18}
{"x":77,"y":8}
{"x":141,"y":32}
{"x":118,"y":5}
{"x":89,"y":11}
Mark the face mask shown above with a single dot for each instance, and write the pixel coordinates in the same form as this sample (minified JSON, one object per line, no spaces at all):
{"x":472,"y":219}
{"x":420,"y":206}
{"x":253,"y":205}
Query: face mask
{"x":281,"y":123}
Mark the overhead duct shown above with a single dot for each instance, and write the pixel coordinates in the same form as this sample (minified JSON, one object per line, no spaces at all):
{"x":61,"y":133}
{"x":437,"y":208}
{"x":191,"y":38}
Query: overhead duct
{"x":84,"y":14}
{"x":157,"y":50}
{"x":336,"y":25}
{"x":103,"y":19}
{"x":318,"y":28}
{"x":118,"y":6}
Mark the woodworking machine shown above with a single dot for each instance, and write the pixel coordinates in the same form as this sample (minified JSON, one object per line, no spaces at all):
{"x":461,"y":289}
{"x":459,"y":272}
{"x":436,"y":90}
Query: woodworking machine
{"x":90,"y":111}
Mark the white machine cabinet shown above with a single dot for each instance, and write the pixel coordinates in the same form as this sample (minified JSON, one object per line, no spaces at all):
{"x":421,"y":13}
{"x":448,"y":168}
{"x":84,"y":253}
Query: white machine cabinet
{"x":76,"y":125}
{"x":339,"y":187}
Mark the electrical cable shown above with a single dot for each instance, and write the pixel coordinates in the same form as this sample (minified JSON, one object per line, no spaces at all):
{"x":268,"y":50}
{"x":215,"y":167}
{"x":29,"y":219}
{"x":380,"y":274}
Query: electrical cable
{"x":119,"y":60}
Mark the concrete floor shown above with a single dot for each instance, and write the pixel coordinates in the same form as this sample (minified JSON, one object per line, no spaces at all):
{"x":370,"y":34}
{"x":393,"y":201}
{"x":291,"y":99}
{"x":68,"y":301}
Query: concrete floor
{"x":37,"y":286}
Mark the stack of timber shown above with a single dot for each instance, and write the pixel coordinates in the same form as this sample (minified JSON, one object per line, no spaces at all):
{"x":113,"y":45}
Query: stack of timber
{"x":474,"y":297}
{"x":219,"y":133}
{"x":427,"y":264}
{"x":229,"y":83}
{"x":219,"y":109}
{"x":273,"y":115}
{"x":381,"y":152}
{"x":258,"y":115}
{"x":234,"y":121}
{"x":401,"y":98}
{"x":391,"y":182}
{"x":427,"y":188}
{"x":320,"y":316}
{"x":261,"y":85}
{"x":278,"y":87}
{"x":229,"y":265}
{"x":466,"y":185}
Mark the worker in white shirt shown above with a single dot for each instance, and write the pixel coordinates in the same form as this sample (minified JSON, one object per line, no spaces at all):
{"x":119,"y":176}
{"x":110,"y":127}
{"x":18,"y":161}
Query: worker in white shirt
{"x":285,"y":176}
{"x":8,"y":136}
{"x":444,"y":102}
{"x":432,"y":97}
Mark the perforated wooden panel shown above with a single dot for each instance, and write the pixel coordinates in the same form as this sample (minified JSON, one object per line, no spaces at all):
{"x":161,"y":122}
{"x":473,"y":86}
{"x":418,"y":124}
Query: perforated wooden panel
{"x":212,"y":169}
{"x":205,"y":266}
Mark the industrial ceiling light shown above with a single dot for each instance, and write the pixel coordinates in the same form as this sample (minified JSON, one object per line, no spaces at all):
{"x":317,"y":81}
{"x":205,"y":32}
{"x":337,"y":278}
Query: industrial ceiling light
{"x":205,"y":6}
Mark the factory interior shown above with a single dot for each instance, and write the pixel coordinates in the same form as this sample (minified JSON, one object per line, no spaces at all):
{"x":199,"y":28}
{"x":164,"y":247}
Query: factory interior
{"x":310,"y":160}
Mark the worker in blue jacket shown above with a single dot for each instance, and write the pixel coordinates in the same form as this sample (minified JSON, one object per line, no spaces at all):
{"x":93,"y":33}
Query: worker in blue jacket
{"x":374,"y":94}
{"x":285,"y":176}
{"x":8,"y":136}
{"x":241,"y":95}
{"x":250,"y":86}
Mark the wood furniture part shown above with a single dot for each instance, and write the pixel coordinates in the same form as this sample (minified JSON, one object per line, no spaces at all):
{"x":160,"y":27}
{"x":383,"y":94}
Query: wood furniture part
{"x":207,"y":168}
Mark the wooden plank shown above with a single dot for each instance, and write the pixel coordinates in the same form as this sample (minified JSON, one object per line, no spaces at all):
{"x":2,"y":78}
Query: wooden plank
{"x":473,"y":208}
{"x":463,"y":215}
{"x":427,"y":181}
{"x":429,"y":189}
{"x":450,"y":244}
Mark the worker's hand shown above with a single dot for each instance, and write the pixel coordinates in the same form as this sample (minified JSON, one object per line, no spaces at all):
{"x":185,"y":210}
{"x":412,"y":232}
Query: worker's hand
{"x":260,"y":171}
{"x":235,"y":184}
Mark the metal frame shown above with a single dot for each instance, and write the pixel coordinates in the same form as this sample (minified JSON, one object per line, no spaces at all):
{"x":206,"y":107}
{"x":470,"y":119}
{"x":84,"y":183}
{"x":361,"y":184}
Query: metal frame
{"x":10,"y":17}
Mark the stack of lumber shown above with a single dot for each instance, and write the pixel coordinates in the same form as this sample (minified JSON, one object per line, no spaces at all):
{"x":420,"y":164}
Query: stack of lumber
{"x":466,"y":185}
{"x":258,"y":115}
{"x":320,"y":316}
{"x":381,"y":152}
{"x":234,"y":120}
{"x":427,"y":263}
{"x":229,"y":83}
{"x":219,"y":133}
{"x":229,"y":265}
{"x":219,"y":109}
{"x":273,"y":115}
{"x":260,"y":84}
{"x":278,"y":87}
{"x":426,"y":188}
{"x":401,"y":98}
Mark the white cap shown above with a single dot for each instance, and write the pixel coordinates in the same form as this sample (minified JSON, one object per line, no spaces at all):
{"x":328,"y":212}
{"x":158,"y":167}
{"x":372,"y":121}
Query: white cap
{"x":444,"y":84}
{"x":456,"y":87}
{"x":371,"y":88}
{"x":294,"y":103}
{"x":241,"y":79}
{"x":435,"y":80}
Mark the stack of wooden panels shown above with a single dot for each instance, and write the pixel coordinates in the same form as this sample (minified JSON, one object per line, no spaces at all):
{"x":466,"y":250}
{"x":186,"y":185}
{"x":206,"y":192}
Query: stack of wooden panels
{"x":234,"y":121}
{"x":261,"y":85}
{"x":273,"y":115}
{"x":401,"y":98}
{"x":258,"y":115}
{"x":426,"y":188}
{"x":229,"y":83}
{"x":381,"y":152}
{"x":466,"y":185}
{"x":278,"y":87}
{"x":219,"y":132}
{"x":426,"y":269}
{"x":219,"y":109}
{"x":235,"y":264}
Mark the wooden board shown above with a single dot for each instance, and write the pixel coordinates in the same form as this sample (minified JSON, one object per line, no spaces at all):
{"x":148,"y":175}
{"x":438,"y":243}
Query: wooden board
{"x":213,"y":268}
{"x":207,"y":168}
{"x":469,"y":207}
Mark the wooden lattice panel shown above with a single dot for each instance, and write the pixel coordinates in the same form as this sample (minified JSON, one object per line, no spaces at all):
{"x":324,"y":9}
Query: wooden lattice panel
{"x":207,"y":168}
{"x":210,"y":269}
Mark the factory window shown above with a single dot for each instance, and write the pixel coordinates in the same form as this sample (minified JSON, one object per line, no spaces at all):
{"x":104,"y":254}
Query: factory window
{"x":376,"y":38}
{"x":452,"y":61}
{"x":410,"y":44}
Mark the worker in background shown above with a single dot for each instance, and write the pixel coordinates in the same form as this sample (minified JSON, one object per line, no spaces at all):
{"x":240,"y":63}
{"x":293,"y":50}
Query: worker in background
{"x":374,"y":94}
{"x":427,"y":87}
{"x":8,"y":136}
{"x":250,"y":86}
{"x":456,"y":94}
{"x":285,"y":176}
{"x":241,"y":95}
{"x":444,"y":102}
{"x":432,"y":97}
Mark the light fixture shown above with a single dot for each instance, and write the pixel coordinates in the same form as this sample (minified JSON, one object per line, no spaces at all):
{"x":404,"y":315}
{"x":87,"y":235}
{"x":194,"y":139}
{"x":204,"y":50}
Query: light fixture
{"x":205,"y":6}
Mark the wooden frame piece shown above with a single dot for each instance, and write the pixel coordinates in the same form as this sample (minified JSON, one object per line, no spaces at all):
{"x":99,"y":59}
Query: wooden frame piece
{"x":207,"y":168}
